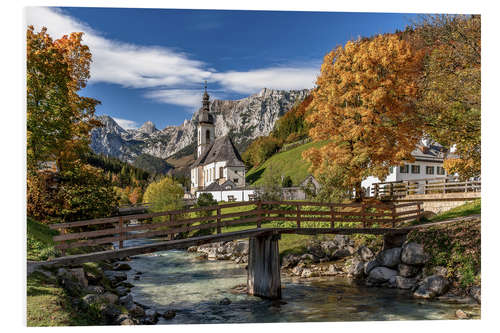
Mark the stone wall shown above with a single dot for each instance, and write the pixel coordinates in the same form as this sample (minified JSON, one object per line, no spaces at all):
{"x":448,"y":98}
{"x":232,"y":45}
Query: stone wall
{"x":440,"y":202}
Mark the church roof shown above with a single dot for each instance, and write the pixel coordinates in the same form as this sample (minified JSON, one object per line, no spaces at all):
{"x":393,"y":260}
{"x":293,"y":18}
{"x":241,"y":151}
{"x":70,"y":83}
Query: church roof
{"x":222,"y":149}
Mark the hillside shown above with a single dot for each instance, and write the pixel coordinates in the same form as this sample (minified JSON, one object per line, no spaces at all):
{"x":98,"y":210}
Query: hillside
{"x":289,"y":163}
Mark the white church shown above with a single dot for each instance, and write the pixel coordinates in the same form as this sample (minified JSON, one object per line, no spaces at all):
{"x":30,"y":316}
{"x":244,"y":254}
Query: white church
{"x":218,"y":168}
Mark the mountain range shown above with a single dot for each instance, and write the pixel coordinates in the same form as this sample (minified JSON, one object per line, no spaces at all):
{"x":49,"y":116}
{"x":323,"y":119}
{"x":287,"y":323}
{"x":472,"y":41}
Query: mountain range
{"x":244,"y":119}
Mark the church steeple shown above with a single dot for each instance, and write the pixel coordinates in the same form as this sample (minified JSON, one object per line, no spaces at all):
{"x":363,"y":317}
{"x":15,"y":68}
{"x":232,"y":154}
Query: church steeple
{"x":205,"y":115}
{"x":206,"y":128}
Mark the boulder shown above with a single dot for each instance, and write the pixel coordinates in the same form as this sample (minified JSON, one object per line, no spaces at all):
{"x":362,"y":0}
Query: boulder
{"x":126,"y":300}
{"x":340,"y":253}
{"x":289,"y":261}
{"x":297,"y":270}
{"x":342,"y":241}
{"x":151,"y":317}
{"x":404,"y":282}
{"x":109,"y":297}
{"x":110,"y":312}
{"x":75,"y":274}
{"x":440,"y":270}
{"x":370,"y":265}
{"x":122,"y":291}
{"x":115,"y":277}
{"x":365,"y":253}
{"x":390,"y":257}
{"x":333,"y":270}
{"x":460,"y":314}
{"x":316,"y":249}
{"x":393,"y":240}
{"x":95,"y":290}
{"x":127,"y":321}
{"x":381,"y":274}
{"x":225,"y":301}
{"x":329,"y":247}
{"x":413,"y":254}
{"x":90,"y":299}
{"x":193,"y":248}
{"x":475,"y":292}
{"x":356,"y":269}
{"x":121,"y":266}
{"x":408,"y":270}
{"x":136,"y":311}
{"x":73,"y":288}
{"x":431,"y":286}
{"x":169,"y":314}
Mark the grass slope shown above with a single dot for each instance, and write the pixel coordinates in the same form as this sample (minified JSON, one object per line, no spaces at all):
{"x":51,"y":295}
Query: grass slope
{"x":290,"y":163}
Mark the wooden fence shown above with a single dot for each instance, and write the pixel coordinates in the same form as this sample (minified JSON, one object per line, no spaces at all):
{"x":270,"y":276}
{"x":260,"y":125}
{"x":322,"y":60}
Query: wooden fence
{"x":251,"y":214}
{"x":424,"y":186}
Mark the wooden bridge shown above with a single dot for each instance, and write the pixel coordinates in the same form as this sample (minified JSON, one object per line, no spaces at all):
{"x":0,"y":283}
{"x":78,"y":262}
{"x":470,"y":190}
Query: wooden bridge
{"x":262,"y":222}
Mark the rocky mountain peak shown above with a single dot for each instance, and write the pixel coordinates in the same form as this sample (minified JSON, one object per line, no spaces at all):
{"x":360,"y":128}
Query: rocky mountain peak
{"x":148,"y":127}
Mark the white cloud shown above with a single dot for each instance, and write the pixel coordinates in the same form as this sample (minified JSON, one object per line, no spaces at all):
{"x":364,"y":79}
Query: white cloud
{"x":122,"y":63}
{"x":286,"y":78}
{"x":169,"y":72}
{"x":126,"y":123}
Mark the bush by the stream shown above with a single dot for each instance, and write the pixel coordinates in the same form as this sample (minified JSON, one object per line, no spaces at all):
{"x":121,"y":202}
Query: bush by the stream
{"x":455,"y":246}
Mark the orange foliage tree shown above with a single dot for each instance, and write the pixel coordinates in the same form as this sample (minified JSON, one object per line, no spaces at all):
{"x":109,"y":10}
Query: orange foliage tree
{"x":364,"y":104}
{"x":58,"y":119}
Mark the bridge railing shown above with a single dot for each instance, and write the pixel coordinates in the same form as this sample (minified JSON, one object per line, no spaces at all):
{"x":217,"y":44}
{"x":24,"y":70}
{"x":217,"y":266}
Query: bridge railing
{"x":212,"y":219}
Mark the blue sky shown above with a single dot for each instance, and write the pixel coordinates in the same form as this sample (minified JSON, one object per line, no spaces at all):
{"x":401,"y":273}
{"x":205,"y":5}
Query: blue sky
{"x":150,"y":64}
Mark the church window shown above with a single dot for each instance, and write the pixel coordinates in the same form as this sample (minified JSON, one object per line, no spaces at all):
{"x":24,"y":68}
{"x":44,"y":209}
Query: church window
{"x":207,"y":136}
{"x":221,"y":172}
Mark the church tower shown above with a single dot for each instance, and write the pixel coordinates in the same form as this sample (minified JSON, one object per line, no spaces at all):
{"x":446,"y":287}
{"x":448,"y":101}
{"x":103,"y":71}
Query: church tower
{"x":206,"y":128}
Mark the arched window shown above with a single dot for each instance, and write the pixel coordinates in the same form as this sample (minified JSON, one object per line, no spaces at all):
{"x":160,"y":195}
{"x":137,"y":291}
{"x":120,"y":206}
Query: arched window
{"x":207,"y":136}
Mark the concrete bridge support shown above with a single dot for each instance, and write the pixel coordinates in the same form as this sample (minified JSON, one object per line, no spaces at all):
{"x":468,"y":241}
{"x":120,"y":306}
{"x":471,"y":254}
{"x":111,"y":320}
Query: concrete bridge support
{"x":264,"y":266}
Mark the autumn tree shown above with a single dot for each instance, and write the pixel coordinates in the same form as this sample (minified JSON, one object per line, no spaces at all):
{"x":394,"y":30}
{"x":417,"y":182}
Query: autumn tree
{"x":365,"y":105}
{"x":58,"y":119}
{"x":450,"y":106}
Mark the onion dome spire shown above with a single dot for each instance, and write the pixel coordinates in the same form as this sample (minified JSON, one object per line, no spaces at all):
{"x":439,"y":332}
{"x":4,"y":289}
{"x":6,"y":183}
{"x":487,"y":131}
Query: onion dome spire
{"x":205,"y":115}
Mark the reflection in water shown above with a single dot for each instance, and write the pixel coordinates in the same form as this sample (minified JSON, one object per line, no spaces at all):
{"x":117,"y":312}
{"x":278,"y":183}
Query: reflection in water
{"x":178,"y":280}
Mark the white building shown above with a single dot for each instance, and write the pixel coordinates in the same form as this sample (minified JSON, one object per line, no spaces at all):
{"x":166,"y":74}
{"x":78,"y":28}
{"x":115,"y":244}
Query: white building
{"x":219,"y":165}
{"x":428,"y":164}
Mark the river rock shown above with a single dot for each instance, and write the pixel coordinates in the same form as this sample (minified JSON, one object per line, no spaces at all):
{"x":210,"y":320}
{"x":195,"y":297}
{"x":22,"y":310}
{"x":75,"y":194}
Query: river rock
{"x":340,"y":253}
{"x":151,"y":317}
{"x":356,"y":269}
{"x":73,"y":288}
{"x":169,"y":314}
{"x":110,"y":312}
{"x":475,"y":292}
{"x":390,"y":257}
{"x":75,"y":274}
{"x":370,"y":265}
{"x":460,"y":314}
{"x":109,"y":297}
{"x":440,"y":270}
{"x":431,"y":286}
{"x":328,"y":248}
{"x":297,"y":270}
{"x":365,"y":253}
{"x":122,"y":290}
{"x":413,"y":254}
{"x":90,"y":299}
{"x":225,"y":301}
{"x":126,"y":300}
{"x":95,"y":290}
{"x":381,"y":274}
{"x":404,"y":282}
{"x":115,"y":277}
{"x":136,"y":311}
{"x":408,"y":270}
{"x":289,"y":261}
{"x":121,"y":266}
{"x":193,"y":248}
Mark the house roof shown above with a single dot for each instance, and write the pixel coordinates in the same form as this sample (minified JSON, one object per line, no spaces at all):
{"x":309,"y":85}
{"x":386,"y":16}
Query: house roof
{"x":219,"y":187}
{"x":433,"y":152}
{"x":222,"y":149}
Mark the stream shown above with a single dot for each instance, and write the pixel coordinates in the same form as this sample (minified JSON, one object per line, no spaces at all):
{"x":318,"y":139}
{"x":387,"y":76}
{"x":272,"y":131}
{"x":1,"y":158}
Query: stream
{"x":193,"y":287}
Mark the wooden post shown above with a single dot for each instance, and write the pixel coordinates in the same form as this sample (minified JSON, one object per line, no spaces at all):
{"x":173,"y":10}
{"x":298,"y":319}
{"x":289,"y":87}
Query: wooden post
{"x":407,"y":188}
{"x":218,"y":221}
{"x":63,"y":231}
{"x":419,"y":212}
{"x":376,"y":191}
{"x":259,"y":214}
{"x":444,"y":185}
{"x":362,"y":216}
{"x":170,"y":219}
{"x":332,"y":216}
{"x":264,"y":267}
{"x":393,"y":216}
{"x":120,"y":224}
{"x":298,"y":216}
{"x":391,"y":189}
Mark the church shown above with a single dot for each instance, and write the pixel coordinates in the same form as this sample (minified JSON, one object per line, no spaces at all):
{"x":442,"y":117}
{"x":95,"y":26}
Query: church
{"x":218,"y":166}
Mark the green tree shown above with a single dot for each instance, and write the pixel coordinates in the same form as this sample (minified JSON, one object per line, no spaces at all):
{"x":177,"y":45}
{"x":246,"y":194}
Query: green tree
{"x":164,"y":194}
{"x":205,"y":200}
